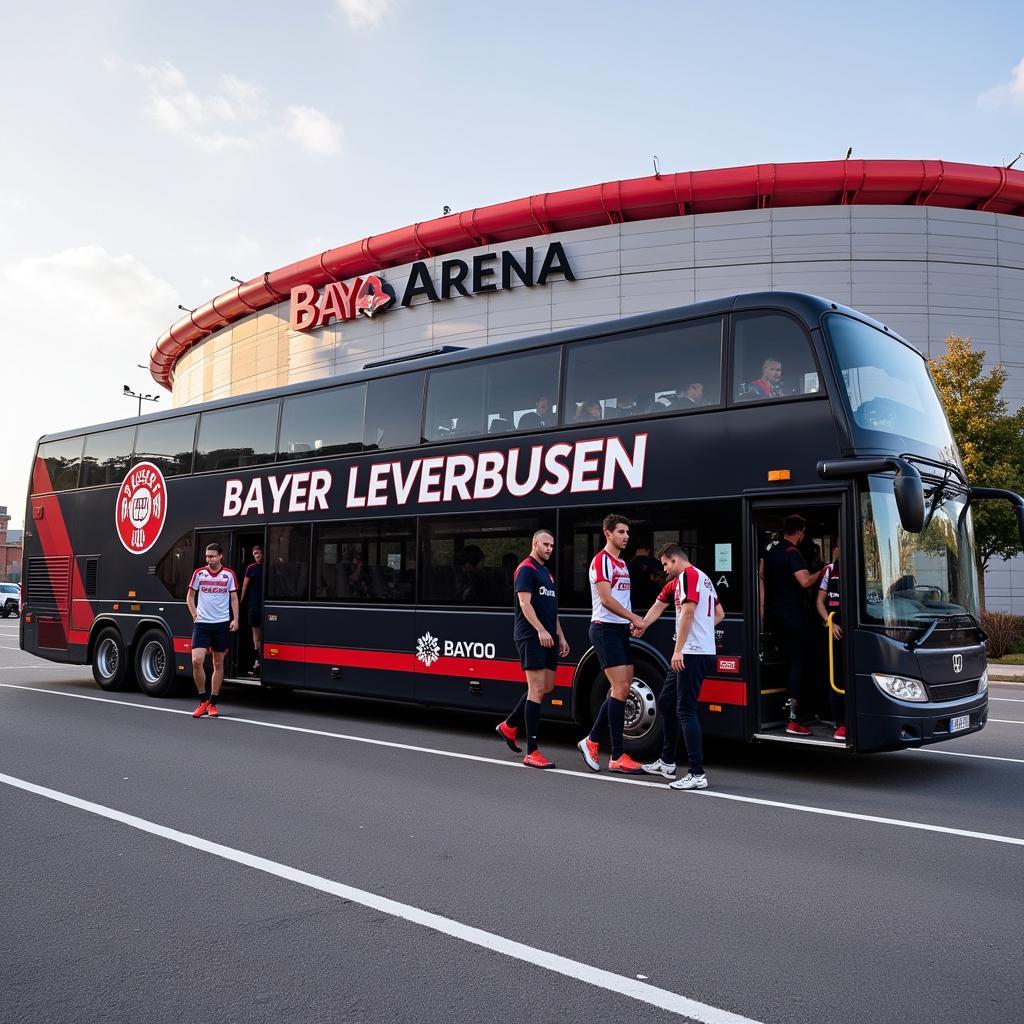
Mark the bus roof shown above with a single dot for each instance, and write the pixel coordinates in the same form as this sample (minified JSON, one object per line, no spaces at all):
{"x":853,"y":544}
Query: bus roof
{"x":809,"y":308}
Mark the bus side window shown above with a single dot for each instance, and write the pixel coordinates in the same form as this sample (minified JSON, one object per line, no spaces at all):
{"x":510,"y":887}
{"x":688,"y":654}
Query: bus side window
{"x":167,"y":444}
{"x":287,"y":562}
{"x":771,"y":358}
{"x":657,"y":361}
{"x":57,"y":465}
{"x":393,"y":407}
{"x":245,"y":435}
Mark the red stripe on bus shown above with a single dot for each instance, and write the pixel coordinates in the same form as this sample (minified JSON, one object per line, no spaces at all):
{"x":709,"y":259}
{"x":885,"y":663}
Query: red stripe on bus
{"x":724,"y":691}
{"x":182,"y":644}
{"x":78,"y":636}
{"x":393,"y":661}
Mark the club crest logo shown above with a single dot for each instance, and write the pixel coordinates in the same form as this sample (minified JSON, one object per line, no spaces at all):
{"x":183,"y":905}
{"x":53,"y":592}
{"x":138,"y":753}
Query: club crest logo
{"x":141,"y":508}
{"x":428,"y":649}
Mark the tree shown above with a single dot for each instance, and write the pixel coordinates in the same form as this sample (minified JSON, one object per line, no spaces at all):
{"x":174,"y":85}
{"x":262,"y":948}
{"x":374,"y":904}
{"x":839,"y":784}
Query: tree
{"x":991,"y":442}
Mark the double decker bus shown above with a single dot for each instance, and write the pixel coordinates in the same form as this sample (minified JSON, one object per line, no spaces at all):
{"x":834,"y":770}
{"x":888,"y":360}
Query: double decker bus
{"x":393,"y":505}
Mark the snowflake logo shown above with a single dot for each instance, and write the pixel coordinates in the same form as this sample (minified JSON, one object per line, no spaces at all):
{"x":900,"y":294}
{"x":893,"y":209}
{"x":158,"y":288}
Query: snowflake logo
{"x":428,"y":649}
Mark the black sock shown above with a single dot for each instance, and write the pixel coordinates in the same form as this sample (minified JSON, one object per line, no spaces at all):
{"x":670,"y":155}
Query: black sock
{"x":517,"y":718}
{"x":207,"y":692}
{"x":212,"y":699}
{"x":616,"y":723}
{"x":532,"y":717}
{"x":600,"y":722}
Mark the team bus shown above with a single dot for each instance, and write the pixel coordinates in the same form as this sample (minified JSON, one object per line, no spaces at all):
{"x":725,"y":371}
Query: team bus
{"x":394,"y":504}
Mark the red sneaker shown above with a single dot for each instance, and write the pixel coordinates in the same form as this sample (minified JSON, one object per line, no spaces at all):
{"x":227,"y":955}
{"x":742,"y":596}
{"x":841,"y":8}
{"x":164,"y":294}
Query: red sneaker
{"x":212,"y":711}
{"x":537,"y":760}
{"x":201,"y":710}
{"x":840,"y":734}
{"x":588,"y":748}
{"x":796,"y":729}
{"x":626,"y":766}
{"x":508,"y":734}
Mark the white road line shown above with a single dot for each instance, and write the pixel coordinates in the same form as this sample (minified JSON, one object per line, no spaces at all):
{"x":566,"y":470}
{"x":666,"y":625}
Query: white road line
{"x":960,"y":753}
{"x":596,"y":976}
{"x":1009,"y":700}
{"x":617,"y":779}
{"x":1006,"y":721}
{"x":22,"y":668}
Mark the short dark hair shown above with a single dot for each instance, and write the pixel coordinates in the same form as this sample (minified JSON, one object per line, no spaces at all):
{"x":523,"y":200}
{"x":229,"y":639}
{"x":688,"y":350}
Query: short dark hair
{"x":612,"y":520}
{"x":215,"y":547}
{"x":671,"y":551}
{"x":793,"y":524}
{"x":472,"y":554}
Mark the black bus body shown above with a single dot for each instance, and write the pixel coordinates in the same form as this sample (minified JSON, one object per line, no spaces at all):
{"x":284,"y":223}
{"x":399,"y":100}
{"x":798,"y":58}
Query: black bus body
{"x":393,"y":504}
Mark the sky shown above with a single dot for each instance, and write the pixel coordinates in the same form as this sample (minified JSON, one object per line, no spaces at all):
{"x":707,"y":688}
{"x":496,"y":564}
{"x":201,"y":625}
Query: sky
{"x":151,"y":151}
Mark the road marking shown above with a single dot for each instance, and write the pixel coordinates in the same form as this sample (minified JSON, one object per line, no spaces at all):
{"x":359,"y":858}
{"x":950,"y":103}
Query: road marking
{"x":960,"y":753}
{"x":592,"y":776}
{"x":1009,"y":700}
{"x":596,"y":976}
{"x":1006,"y":721}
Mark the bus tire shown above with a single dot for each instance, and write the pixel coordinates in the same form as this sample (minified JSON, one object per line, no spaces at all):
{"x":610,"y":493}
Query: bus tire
{"x":154,"y":664}
{"x":642,"y":734}
{"x":110,"y":663}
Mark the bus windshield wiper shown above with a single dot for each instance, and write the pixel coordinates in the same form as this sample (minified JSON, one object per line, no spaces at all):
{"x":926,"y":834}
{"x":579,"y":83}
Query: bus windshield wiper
{"x":919,"y":641}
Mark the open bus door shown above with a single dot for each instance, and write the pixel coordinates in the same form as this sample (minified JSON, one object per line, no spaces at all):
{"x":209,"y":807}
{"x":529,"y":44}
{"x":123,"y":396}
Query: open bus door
{"x":770,"y":655}
{"x":238,"y":545}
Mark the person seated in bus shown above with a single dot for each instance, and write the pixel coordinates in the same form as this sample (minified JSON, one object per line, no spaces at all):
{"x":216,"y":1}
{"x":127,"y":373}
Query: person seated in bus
{"x":540,"y":417}
{"x":829,"y":603}
{"x":499,"y":425}
{"x":689,"y":397}
{"x":905,"y":586}
{"x":645,"y":576}
{"x":470,"y":583}
{"x":769,"y":384}
{"x":627,"y":405}
{"x":588,"y":410}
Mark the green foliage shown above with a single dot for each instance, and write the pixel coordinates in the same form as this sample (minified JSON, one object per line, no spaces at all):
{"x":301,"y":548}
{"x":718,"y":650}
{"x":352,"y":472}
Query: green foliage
{"x":991,"y":442}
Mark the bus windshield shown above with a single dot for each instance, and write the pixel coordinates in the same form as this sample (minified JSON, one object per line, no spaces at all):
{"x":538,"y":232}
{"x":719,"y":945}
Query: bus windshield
{"x":910,"y":579}
{"x":888,"y":390}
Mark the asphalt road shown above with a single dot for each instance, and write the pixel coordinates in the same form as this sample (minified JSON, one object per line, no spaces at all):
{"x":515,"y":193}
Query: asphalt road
{"x":320,"y":859}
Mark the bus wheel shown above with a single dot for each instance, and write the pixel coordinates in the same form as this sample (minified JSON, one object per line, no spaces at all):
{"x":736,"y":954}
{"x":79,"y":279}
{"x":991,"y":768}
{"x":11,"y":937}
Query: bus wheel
{"x":154,"y":664}
{"x":642,"y":733}
{"x":110,"y":666}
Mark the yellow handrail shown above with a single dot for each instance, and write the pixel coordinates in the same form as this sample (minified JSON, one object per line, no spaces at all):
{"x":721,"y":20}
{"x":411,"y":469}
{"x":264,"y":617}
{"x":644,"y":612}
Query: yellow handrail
{"x":831,"y":658}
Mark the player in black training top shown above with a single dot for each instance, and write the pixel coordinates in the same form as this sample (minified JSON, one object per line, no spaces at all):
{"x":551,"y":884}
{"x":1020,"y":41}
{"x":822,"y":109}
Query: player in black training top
{"x":540,"y":642}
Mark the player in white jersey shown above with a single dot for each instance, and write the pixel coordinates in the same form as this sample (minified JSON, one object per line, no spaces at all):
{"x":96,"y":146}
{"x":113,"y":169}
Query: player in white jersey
{"x":697,"y":611}
{"x":610,"y":626}
{"x":212,"y":601}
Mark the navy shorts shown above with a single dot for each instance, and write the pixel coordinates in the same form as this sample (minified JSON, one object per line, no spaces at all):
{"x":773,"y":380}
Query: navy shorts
{"x":254,"y":616}
{"x":611,"y":642}
{"x":533,"y":655}
{"x":214,"y":636}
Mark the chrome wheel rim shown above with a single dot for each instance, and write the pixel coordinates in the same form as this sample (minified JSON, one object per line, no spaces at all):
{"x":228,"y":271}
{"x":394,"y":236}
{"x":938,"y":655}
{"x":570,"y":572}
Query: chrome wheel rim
{"x":108,"y":657}
{"x":641,"y":710}
{"x":152,"y":662}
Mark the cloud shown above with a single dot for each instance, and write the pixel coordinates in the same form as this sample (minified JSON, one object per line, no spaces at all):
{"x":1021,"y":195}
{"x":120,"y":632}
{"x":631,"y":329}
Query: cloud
{"x":235,"y":118}
{"x":1010,"y":93}
{"x":366,"y":13}
{"x":313,"y":130}
{"x":77,"y":322}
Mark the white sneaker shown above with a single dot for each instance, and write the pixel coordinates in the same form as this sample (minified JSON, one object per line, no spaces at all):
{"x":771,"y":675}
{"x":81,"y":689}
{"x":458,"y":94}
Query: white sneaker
{"x":659,"y":767}
{"x":690,"y":781}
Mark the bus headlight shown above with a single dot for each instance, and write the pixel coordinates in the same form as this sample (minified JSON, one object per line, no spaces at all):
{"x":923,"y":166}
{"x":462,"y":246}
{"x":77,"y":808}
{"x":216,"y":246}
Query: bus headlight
{"x":983,"y":683}
{"x":900,"y":687}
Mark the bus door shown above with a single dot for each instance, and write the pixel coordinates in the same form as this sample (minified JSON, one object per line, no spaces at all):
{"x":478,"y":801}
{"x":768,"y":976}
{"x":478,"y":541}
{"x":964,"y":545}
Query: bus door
{"x":237,"y":546}
{"x":780,"y":660}
{"x":244,"y":655}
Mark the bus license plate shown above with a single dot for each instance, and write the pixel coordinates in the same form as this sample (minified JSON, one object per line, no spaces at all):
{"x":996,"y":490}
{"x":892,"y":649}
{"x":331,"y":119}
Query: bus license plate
{"x":960,"y":723}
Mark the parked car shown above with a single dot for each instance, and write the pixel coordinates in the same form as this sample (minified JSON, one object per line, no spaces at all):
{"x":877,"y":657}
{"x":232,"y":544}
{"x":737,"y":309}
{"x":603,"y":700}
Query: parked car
{"x":10,"y":596}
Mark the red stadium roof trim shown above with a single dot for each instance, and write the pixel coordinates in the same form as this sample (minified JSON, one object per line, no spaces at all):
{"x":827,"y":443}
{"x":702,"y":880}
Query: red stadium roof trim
{"x":759,"y":186}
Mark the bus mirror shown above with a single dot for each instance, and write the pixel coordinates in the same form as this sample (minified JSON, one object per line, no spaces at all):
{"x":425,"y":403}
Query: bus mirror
{"x":909,"y":493}
{"x":1012,"y":497}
